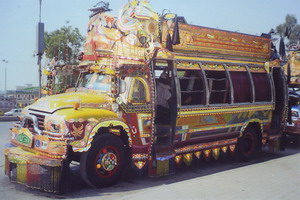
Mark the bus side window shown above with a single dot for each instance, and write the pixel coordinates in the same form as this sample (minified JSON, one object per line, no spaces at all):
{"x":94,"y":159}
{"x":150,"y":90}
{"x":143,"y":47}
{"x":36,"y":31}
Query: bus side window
{"x":241,"y":86}
{"x":262,"y":87}
{"x":191,"y":86}
{"x":219,"y":88}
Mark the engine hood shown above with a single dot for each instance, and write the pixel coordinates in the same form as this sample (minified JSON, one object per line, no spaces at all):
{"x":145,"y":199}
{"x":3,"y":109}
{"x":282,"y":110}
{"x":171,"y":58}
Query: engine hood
{"x":67,"y":100}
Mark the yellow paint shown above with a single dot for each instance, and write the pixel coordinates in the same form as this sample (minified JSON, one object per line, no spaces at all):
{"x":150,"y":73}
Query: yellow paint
{"x":216,"y":153}
{"x":58,"y":147}
{"x":26,"y":155}
{"x":140,"y":164}
{"x":21,"y":173}
{"x":225,"y":110}
{"x":188,"y":158}
{"x":68,"y":100}
{"x":224,"y":149}
{"x":198,"y":154}
{"x":86,"y":113}
{"x":178,"y":159}
{"x":207,"y":153}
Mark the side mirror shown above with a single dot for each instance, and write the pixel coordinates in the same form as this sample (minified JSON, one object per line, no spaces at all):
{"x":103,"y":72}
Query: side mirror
{"x":169,"y":16}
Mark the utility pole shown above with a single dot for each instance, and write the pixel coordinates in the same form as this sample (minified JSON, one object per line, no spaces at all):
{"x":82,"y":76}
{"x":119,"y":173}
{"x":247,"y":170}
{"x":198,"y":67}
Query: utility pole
{"x":5,"y":78}
{"x":40,"y":46}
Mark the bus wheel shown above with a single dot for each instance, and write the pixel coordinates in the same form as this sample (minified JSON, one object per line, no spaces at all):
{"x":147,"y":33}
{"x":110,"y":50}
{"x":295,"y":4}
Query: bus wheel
{"x":102,"y":165}
{"x":247,"y":145}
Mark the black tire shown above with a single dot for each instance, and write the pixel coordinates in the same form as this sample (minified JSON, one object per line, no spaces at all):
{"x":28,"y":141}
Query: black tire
{"x":247,"y":145}
{"x":102,"y":165}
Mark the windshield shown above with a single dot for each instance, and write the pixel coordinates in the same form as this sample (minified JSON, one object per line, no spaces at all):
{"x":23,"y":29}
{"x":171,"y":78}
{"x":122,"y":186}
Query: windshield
{"x":99,"y":82}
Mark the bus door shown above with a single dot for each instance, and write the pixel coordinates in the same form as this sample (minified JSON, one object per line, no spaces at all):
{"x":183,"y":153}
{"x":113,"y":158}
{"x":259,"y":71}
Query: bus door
{"x":165,"y":106}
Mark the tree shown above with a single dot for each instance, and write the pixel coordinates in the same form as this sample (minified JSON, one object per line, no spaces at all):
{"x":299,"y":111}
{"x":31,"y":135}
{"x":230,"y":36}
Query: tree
{"x":64,"y":44}
{"x":290,"y":29}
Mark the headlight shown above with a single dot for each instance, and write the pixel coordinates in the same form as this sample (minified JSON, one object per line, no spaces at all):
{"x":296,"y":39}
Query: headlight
{"x":55,"y":124}
{"x":295,"y":113}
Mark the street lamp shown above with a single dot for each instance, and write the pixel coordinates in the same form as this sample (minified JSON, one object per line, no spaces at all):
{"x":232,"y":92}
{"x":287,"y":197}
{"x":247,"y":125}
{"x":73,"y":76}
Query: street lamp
{"x":5,"y":61}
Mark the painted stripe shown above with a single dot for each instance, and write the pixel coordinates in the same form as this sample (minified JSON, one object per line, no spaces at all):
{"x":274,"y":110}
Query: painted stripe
{"x":216,"y":60}
{"x":215,"y":128}
{"x":211,"y":111}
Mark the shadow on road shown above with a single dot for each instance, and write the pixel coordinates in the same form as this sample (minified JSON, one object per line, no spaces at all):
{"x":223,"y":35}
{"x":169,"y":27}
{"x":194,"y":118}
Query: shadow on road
{"x":135,"y":180}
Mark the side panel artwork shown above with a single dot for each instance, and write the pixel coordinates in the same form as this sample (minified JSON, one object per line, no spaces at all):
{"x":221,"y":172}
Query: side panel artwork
{"x":194,"y":126}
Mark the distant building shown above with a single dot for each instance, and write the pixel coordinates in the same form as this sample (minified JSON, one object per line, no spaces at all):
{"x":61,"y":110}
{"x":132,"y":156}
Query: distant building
{"x":7,"y":103}
{"x":25,"y":95}
{"x":21,"y":97}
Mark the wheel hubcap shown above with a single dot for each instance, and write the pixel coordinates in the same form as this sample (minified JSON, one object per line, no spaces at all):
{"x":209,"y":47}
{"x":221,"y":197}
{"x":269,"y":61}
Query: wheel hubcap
{"x":109,"y":161}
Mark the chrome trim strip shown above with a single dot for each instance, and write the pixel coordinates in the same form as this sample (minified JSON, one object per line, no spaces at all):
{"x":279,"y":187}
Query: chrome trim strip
{"x":54,"y":134}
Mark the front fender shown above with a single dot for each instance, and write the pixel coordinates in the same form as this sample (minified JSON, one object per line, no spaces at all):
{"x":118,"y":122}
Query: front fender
{"x":84,"y":144}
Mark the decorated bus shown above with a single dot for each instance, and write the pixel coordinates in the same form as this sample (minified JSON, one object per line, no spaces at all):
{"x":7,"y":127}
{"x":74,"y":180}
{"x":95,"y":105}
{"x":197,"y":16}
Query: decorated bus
{"x":157,"y":93}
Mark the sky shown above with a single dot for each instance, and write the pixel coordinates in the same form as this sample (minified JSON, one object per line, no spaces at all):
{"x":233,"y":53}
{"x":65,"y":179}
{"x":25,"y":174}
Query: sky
{"x":19,"y":18}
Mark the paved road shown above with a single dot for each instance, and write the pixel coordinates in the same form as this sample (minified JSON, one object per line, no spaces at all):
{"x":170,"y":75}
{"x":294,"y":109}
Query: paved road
{"x":269,"y":176}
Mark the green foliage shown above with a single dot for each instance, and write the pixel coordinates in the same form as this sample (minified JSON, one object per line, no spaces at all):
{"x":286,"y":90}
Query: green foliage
{"x":289,"y":28}
{"x":64,"y":44}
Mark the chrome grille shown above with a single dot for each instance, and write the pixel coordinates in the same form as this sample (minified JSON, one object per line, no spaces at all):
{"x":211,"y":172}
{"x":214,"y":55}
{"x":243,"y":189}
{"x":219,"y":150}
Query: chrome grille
{"x":28,"y":123}
{"x":41,"y":119}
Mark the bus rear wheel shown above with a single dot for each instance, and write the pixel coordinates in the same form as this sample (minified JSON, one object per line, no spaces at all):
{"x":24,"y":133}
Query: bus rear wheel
{"x":247,"y":145}
{"x":102,"y":165}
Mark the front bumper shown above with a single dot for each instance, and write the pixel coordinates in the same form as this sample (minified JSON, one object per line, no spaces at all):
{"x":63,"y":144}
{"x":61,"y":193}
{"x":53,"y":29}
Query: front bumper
{"x":35,"y":160}
{"x":33,"y":170}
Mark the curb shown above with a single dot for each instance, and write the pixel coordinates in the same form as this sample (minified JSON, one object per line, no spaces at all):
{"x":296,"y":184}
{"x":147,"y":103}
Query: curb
{"x":6,"y":119}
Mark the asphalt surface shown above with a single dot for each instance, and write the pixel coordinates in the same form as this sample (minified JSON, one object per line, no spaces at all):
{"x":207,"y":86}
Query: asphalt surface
{"x":268,"y":176}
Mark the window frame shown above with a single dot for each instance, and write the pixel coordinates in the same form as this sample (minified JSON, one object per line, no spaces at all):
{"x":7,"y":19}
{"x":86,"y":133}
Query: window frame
{"x":230,"y":89}
{"x":252,"y":69}
{"x":250,"y":82}
{"x":203,"y":91}
{"x":146,"y":89}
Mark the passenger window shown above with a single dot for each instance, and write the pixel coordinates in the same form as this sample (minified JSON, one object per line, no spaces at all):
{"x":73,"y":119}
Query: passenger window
{"x":138,"y":92}
{"x":241,"y":86}
{"x":192,"y":87}
{"x":262,"y":86}
{"x":218,"y":86}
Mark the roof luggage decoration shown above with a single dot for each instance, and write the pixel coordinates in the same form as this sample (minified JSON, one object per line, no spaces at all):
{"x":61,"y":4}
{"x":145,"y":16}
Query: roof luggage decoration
{"x":203,"y":41}
{"x":130,"y":38}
